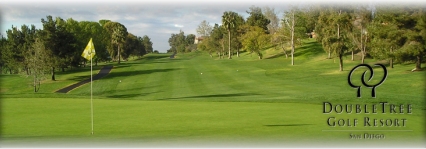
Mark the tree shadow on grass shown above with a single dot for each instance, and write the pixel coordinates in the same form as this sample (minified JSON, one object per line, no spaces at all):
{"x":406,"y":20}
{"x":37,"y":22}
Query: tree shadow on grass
{"x":153,"y":57}
{"x":123,"y":65}
{"x":130,"y":95}
{"x":80,"y":78}
{"x":286,"y":125}
{"x":158,"y":62}
{"x":102,"y":73}
{"x":96,"y":75}
{"x":163,"y":61}
{"x":138,"y":72}
{"x":214,"y":96}
{"x":78,"y":70}
{"x":276,"y":55}
{"x":309,"y":49}
{"x":108,"y":75}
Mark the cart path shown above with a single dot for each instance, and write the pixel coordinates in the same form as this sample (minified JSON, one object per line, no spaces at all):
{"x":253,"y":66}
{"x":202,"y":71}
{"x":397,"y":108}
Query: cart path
{"x":102,"y":73}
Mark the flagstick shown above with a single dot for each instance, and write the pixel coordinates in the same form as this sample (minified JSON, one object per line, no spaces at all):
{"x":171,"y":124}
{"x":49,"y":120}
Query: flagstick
{"x":91,"y":85}
{"x":88,"y":54}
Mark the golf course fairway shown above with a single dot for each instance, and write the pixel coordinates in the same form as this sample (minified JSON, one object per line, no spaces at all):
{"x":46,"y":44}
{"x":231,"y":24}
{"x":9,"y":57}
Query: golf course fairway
{"x":195,"y":99}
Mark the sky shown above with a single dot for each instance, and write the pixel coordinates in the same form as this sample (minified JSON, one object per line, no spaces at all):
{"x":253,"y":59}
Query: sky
{"x":158,"y":19}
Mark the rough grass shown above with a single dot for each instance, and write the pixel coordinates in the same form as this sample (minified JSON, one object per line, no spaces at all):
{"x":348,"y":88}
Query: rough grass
{"x":243,"y":100}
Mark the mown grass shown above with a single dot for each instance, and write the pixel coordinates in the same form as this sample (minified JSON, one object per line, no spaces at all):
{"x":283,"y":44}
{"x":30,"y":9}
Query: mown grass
{"x":195,"y":97}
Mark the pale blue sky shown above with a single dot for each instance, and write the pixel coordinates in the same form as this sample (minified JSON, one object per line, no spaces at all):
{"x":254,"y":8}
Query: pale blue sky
{"x":157,"y":19}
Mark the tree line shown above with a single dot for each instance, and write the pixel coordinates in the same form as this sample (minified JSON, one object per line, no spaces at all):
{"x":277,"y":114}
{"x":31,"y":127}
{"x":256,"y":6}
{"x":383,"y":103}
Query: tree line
{"x":181,"y":43}
{"x":59,"y":44}
{"x":396,"y":34}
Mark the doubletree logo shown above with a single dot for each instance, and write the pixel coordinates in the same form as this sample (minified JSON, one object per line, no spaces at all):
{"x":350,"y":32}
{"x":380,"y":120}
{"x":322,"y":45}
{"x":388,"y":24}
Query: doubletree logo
{"x":373,"y":91}
{"x":376,"y":109}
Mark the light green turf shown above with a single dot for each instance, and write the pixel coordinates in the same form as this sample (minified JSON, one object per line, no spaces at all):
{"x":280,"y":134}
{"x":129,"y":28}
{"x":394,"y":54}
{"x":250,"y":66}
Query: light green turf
{"x":243,"y":99}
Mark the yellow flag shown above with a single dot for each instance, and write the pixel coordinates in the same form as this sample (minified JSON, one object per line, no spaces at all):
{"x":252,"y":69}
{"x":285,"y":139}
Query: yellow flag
{"x":89,"y":51}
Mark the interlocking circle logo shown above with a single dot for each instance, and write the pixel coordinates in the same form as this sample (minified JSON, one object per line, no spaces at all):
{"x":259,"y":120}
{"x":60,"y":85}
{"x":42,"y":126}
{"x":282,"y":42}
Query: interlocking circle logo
{"x":373,"y":92}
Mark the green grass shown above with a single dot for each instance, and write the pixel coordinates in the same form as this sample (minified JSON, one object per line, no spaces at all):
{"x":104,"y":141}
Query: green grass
{"x":239,"y":100}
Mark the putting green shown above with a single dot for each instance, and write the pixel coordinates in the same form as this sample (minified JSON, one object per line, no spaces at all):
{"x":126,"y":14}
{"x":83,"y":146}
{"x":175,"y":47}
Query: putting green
{"x":165,"y":121}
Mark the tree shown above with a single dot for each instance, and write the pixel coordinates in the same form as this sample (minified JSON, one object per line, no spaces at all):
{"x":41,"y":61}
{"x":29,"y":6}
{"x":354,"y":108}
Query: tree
{"x":255,"y":40}
{"x":28,"y":35}
{"x":280,"y":39}
{"x":15,"y":47}
{"x":385,"y":35}
{"x":3,"y":44}
{"x":118,"y":33}
{"x":212,"y":44}
{"x":181,"y":43}
{"x":228,"y":22}
{"x":58,"y":41}
{"x":324,"y":31}
{"x":341,"y":43}
{"x":59,"y":45}
{"x":190,"y":46}
{"x":204,"y":46}
{"x":359,"y":33}
{"x":118,"y":37}
{"x":105,"y":42}
{"x":385,"y":40}
{"x":100,"y":38}
{"x":399,"y":33}
{"x":216,"y":39}
{"x":256,"y":18}
{"x":67,"y":44}
{"x":204,"y":29}
{"x":418,"y":38}
{"x":172,"y":43}
{"x":177,"y":42}
{"x":131,"y":44}
{"x":333,"y":26}
{"x":141,"y":48}
{"x":103,"y":22}
{"x":292,"y":36}
{"x":310,"y":16}
{"x":38,"y":63}
{"x":238,"y":31}
{"x":147,"y":44}
{"x":271,"y":15}
{"x":294,"y":29}
{"x":79,"y":32}
{"x":12,"y":54}
{"x":190,"y":39}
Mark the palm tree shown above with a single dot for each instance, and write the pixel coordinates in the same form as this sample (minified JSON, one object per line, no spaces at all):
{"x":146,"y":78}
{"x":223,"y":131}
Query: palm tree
{"x":119,"y":35}
{"x":228,"y":21}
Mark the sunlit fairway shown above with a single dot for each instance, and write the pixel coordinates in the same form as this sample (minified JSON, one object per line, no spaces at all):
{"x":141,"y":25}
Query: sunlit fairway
{"x":198,"y":98}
